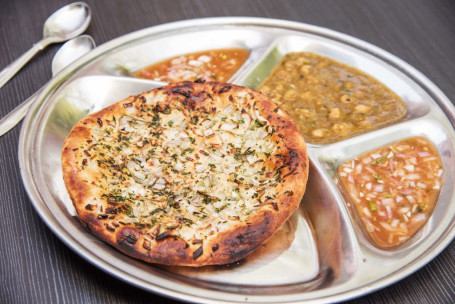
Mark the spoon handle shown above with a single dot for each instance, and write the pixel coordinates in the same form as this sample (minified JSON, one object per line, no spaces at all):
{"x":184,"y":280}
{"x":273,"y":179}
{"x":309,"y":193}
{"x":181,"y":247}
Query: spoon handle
{"x":10,"y":70}
{"x":11,"y":119}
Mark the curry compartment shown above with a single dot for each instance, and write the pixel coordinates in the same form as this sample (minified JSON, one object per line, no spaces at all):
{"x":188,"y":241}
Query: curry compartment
{"x":209,"y":65}
{"x":392,"y":184}
{"x":187,"y":60}
{"x":331,"y":93}
{"x":393,"y":189}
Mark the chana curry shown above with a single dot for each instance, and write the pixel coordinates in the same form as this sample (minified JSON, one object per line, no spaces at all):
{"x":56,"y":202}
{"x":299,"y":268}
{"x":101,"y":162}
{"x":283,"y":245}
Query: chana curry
{"x":329,"y":100}
{"x":211,"y":65}
{"x":394,"y":189}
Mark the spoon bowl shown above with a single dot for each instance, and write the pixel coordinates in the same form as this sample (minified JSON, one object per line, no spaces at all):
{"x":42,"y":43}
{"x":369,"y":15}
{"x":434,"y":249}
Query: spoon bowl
{"x":70,"y":51}
{"x":66,"y":23}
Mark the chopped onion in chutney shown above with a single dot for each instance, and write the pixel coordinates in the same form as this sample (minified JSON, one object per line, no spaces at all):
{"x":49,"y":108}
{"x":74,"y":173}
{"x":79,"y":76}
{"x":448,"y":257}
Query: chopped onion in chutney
{"x":394,"y":189}
{"x":212,"y":65}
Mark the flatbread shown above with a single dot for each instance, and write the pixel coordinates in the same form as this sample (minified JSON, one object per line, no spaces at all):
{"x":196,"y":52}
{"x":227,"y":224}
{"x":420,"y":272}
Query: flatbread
{"x":188,"y":174}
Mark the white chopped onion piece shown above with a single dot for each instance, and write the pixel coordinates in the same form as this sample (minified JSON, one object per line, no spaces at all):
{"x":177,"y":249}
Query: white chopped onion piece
{"x":428,"y":159}
{"x":228,"y":109}
{"x":413,"y":176}
{"x":204,"y":58}
{"x":368,"y":225}
{"x":208,"y":133}
{"x":386,"y":226}
{"x":389,"y":212}
{"x":138,"y":176}
{"x":261,"y":133}
{"x":401,"y":239}
{"x":227,"y":126}
{"x":376,"y":155}
{"x":366,"y":211}
{"x":259,"y":116}
{"x":347,"y":170}
{"x":159,"y":186}
{"x":98,"y":133}
{"x":419,"y":217}
{"x":130,"y":110}
{"x":207,"y":123}
{"x":195,"y":63}
{"x":131,"y":165}
{"x":423,"y":153}
{"x":387,"y":201}
{"x":358,"y":168}
{"x":367,"y":160}
{"x":174,"y":143}
{"x":370,"y":170}
{"x":409,"y":168}
{"x":246,"y":118}
{"x":421,"y":185}
{"x":183,"y":135}
{"x":179,"y":167}
{"x":410,"y":199}
{"x":200,"y":168}
{"x":149,"y":181}
{"x":251,"y":159}
{"x":404,"y":209}
{"x":127,"y":151}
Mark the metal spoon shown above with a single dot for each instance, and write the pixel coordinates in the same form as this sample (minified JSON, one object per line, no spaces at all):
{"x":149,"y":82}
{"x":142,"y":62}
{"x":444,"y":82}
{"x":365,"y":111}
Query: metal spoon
{"x":68,"y":53}
{"x":66,"y":23}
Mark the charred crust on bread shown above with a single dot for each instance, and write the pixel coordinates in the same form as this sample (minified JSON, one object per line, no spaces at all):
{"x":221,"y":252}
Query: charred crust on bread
{"x":286,"y":170}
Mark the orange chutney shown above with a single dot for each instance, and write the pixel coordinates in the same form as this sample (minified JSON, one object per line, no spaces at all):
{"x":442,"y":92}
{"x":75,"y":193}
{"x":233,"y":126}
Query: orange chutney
{"x":211,"y":65}
{"x":394,"y":189}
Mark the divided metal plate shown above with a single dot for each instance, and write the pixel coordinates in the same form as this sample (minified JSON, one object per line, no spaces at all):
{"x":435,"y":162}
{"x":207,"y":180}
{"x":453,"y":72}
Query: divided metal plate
{"x":320,"y":255}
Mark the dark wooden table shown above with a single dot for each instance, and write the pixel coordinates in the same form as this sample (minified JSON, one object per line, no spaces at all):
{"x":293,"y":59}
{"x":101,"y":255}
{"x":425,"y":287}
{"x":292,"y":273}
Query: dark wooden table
{"x":36,"y":267}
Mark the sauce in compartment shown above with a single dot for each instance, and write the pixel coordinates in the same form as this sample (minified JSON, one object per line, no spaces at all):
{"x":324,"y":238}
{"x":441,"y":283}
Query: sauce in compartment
{"x":212,"y":65}
{"x":394,"y":189}
{"x":329,"y":100}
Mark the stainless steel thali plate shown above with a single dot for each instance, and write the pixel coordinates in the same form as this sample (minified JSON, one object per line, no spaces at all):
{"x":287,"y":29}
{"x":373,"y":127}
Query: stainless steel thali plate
{"x":320,"y":255}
